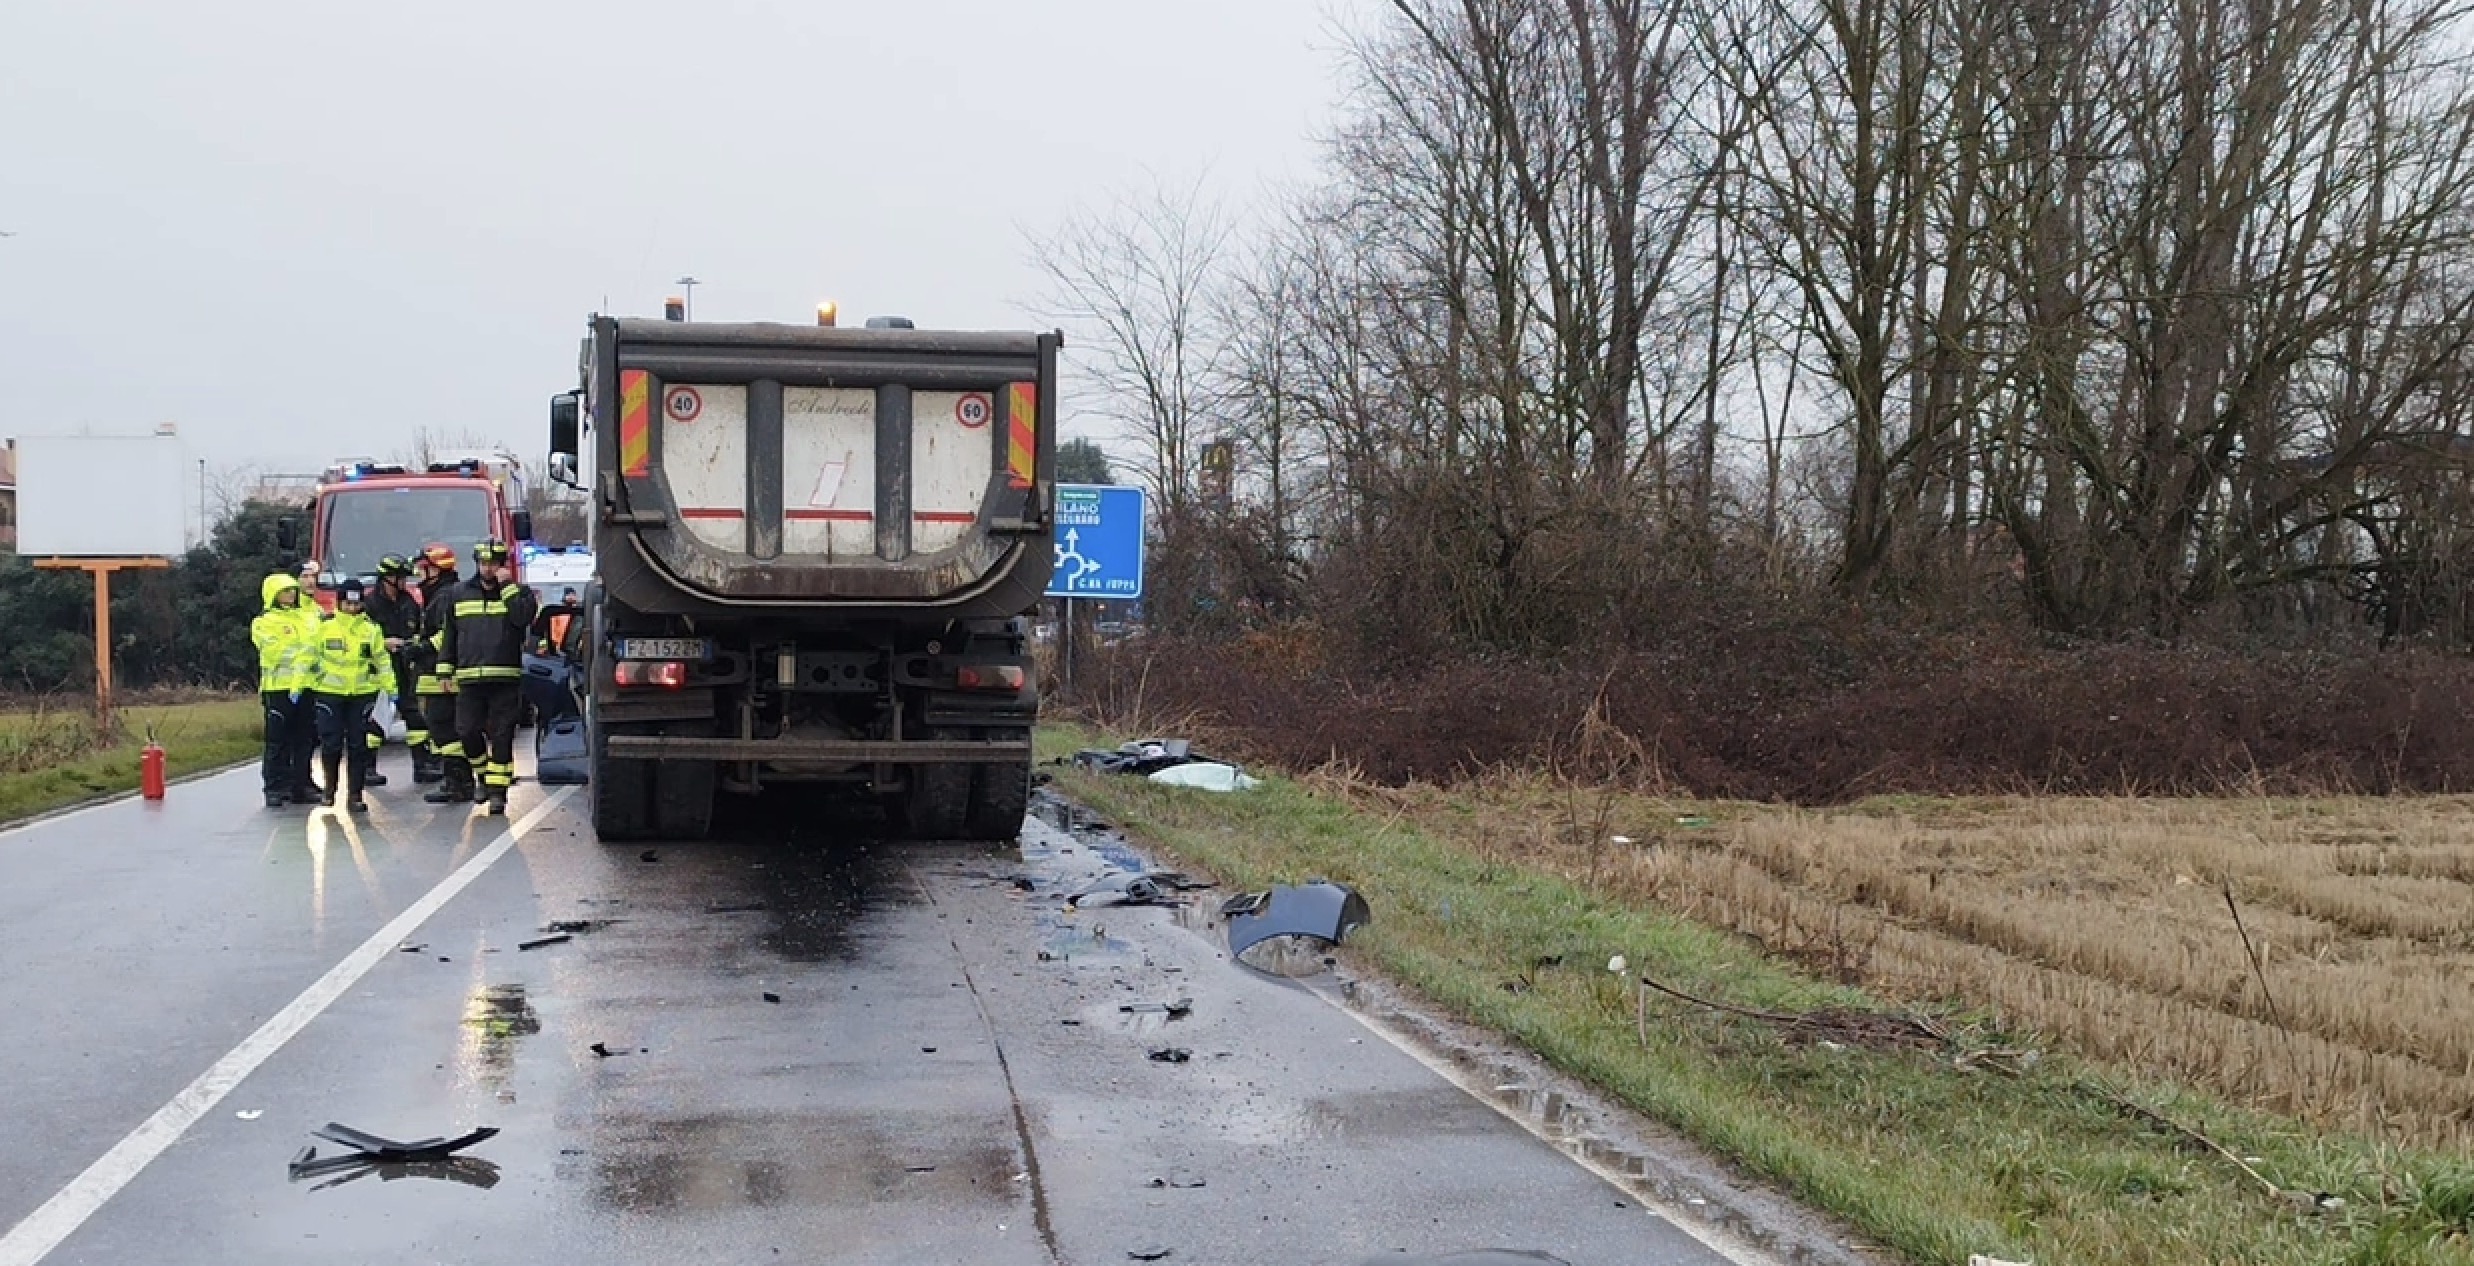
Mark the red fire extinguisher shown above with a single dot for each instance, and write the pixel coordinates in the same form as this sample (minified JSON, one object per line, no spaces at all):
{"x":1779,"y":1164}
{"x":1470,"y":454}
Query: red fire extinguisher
{"x":150,"y":769}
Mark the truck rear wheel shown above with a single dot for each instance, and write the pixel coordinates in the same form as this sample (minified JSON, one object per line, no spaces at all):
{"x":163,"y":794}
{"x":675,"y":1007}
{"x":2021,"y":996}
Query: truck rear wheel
{"x":1000,"y":795}
{"x":622,"y":793}
{"x":937,"y":803}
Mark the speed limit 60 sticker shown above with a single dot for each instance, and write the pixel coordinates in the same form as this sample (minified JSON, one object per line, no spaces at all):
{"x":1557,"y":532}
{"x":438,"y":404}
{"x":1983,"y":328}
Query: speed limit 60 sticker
{"x":682,"y":404}
{"x":972,"y":410}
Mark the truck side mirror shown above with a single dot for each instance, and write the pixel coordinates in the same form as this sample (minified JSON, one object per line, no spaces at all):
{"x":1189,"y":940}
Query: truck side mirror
{"x":566,"y":423}
{"x":523,"y":525}
{"x":563,"y":470}
{"x":288,"y":533}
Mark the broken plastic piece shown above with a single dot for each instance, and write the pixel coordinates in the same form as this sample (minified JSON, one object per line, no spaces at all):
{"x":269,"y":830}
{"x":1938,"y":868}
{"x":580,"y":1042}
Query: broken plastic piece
{"x":1136,"y":888}
{"x":387,"y":1149}
{"x":1183,"y":1180}
{"x":773,"y":997}
{"x":1148,"y":1253}
{"x":1320,"y":911}
{"x":1177,"y":1010}
{"x":1171,"y":1055}
{"x":1207,"y":776}
{"x":537,"y":942}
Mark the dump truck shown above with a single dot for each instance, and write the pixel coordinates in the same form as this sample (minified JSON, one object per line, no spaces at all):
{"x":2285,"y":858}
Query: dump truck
{"x":814,"y":551}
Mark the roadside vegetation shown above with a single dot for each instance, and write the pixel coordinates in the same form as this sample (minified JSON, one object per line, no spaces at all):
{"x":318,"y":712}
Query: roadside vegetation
{"x":53,"y":757}
{"x":2025,"y":1025}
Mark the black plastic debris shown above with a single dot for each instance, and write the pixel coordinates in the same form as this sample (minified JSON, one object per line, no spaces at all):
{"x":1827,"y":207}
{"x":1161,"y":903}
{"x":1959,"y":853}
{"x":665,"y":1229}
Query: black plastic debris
{"x":373,"y":1147}
{"x":1136,"y":888}
{"x":1171,"y":1055}
{"x":576,"y":927}
{"x":773,"y":997}
{"x":1148,"y":1253}
{"x":1142,"y":756}
{"x":471,"y":1171}
{"x":555,"y":938}
{"x":603,"y":1050}
{"x":1178,"y":1179}
{"x":1177,"y":1010}
{"x":1319,"y":911}
{"x":648,"y":855}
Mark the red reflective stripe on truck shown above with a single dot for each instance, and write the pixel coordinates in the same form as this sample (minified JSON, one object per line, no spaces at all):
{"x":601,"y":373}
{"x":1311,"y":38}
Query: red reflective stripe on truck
{"x":946,"y":516}
{"x":635,"y":423}
{"x":1021,"y":433}
{"x":829,"y":516}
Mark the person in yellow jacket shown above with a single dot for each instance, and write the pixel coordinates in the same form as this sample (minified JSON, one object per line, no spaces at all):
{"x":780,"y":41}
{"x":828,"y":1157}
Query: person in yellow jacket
{"x":353,"y":670}
{"x":286,"y":637}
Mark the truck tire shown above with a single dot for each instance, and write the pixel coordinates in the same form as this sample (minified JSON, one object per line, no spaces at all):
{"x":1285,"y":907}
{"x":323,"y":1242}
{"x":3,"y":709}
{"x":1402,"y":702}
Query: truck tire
{"x":1000,"y":795}
{"x":937,"y":803}
{"x":622,"y":794}
{"x":683,"y":793}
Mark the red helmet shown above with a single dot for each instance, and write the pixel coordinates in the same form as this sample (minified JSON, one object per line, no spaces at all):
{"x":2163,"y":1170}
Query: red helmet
{"x":439,"y":556}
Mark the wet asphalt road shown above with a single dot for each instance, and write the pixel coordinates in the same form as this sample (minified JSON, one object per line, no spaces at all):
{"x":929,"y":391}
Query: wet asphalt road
{"x":927,"y":1089}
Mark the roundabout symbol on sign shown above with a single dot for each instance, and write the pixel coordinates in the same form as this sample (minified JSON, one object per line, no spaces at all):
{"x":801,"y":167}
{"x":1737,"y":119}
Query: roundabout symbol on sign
{"x":683,"y":404}
{"x":972,"y":410}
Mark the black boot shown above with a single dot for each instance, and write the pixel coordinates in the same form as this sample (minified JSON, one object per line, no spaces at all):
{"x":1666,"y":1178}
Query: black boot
{"x":455,"y":787}
{"x":370,"y":777}
{"x":426,"y":767}
{"x":332,"y":766}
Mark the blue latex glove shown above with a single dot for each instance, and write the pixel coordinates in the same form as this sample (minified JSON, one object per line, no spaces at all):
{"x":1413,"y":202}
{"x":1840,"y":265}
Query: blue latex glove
{"x":296,"y":696}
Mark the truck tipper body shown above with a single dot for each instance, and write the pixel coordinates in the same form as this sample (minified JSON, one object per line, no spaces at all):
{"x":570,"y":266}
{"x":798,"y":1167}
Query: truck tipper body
{"x":814,"y":550}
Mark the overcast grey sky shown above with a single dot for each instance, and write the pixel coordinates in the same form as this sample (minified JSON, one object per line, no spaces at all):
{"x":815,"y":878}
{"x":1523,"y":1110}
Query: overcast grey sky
{"x":303,"y":228}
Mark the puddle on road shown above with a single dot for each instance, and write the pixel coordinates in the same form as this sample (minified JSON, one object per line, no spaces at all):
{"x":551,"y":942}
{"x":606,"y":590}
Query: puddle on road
{"x":707,"y":1163}
{"x":496,"y":1017}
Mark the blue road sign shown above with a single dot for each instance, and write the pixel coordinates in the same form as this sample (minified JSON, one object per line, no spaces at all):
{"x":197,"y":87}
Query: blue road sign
{"x":1099,"y":542}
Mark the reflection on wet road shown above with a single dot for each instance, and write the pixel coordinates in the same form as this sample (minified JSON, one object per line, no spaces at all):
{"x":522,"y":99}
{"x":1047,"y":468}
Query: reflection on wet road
{"x":790,"y":1043}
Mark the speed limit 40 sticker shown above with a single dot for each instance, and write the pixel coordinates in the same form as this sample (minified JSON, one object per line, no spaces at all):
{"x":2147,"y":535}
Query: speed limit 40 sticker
{"x":972,"y":410}
{"x":682,"y":404}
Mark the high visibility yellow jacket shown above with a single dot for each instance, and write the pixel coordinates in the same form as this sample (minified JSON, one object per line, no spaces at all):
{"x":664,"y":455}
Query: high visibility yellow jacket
{"x":352,"y":656}
{"x":286,"y":638}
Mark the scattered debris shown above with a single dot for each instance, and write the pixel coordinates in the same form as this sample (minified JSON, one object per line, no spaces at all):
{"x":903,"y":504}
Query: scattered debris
{"x":250,"y":1114}
{"x":1148,"y":1253}
{"x":373,"y":1147}
{"x":603,"y":1050}
{"x":1136,"y":888}
{"x":1142,"y":756}
{"x":1024,"y":883}
{"x":1171,"y":1055}
{"x":648,"y":855}
{"x":1177,"y":1010}
{"x":1071,"y":1024}
{"x":927,"y":1050}
{"x":576,"y":927}
{"x":1207,"y":776}
{"x":1182,"y":1180}
{"x":411,"y":949}
{"x":919,"y":1169}
{"x":773,"y":997}
{"x":1319,"y":912}
{"x":555,"y":938}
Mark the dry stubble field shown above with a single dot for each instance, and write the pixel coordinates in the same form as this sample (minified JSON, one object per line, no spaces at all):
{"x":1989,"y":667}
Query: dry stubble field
{"x":2100,"y":924}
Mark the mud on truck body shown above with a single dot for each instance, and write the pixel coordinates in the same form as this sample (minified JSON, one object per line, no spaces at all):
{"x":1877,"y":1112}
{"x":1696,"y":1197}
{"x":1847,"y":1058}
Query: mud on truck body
{"x":815,"y":549}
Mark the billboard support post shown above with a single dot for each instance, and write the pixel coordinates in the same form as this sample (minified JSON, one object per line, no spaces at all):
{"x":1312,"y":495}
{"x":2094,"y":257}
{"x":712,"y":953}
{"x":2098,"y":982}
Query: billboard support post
{"x":102,"y":569}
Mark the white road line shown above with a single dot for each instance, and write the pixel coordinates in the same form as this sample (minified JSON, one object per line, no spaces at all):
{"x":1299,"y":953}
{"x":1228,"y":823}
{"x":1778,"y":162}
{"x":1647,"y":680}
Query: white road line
{"x":42,"y":1231}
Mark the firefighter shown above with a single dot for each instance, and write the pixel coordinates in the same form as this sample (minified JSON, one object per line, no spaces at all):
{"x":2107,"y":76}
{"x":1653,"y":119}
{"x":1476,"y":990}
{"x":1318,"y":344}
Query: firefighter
{"x":431,"y":698}
{"x":556,"y":624}
{"x":285,"y":636}
{"x":483,"y":641}
{"x":397,"y":609}
{"x":353,"y":670}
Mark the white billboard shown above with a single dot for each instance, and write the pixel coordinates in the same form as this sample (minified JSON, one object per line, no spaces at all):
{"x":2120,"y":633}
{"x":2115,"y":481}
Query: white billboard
{"x":102,"y":496}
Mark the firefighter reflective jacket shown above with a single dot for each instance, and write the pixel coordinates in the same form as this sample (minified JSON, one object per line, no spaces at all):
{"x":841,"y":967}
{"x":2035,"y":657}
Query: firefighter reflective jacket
{"x":483,"y":639}
{"x":352,"y":657}
{"x":286,"y":638}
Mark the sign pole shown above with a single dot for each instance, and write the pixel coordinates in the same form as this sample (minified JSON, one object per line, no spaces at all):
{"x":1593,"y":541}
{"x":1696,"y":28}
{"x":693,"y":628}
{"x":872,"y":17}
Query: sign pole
{"x":101,"y":569}
{"x":1069,"y":648}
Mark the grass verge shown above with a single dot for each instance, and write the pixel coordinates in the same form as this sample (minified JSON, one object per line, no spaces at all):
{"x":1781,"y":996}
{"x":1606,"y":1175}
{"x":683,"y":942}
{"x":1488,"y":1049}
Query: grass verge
{"x":53,"y":759}
{"x":1933,"y":1161}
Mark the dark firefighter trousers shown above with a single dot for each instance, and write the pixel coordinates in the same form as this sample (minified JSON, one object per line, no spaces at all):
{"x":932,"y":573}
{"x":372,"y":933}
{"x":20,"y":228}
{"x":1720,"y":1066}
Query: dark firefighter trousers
{"x":412,"y":704}
{"x":290,"y":734}
{"x":343,"y":725}
{"x":485,"y":717}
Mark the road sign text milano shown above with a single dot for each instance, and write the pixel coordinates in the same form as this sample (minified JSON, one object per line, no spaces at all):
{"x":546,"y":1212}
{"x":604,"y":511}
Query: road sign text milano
{"x":1099,"y":542}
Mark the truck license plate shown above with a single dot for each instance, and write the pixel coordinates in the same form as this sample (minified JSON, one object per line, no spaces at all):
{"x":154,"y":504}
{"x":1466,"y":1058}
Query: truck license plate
{"x":688,"y":648}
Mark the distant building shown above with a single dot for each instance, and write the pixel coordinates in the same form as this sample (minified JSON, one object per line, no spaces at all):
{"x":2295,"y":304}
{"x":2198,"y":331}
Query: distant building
{"x":8,"y":496}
